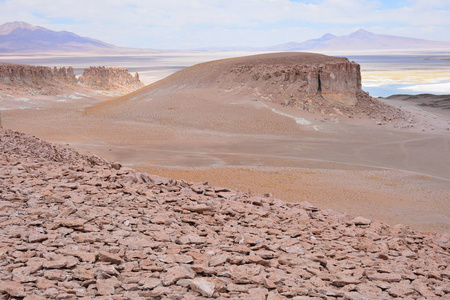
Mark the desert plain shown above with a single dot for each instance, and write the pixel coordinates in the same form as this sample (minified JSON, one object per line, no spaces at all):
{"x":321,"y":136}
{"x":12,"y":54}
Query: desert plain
{"x":394,"y":169}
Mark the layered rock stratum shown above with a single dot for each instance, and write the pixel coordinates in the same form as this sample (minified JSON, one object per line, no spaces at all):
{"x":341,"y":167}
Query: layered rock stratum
{"x":74,"y":226}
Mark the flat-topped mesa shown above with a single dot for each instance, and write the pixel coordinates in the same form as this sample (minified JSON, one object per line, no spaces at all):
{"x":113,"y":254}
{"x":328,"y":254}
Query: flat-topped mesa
{"x":104,"y":78}
{"x":290,"y":78}
{"x":294,"y":77}
{"x":316,"y":83}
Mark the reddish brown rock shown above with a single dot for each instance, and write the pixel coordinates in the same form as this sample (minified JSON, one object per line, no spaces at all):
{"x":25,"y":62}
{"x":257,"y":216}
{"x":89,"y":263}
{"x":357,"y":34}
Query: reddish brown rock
{"x":258,"y":293}
{"x":149,"y":283}
{"x":112,"y":238}
{"x":360,"y":221}
{"x":12,"y":288}
{"x":34,"y":297}
{"x":55,"y":264}
{"x":203,"y":285}
{"x":106,"y":286}
{"x":387,"y":277}
{"x":176,"y":273}
{"x":37,"y":237}
{"x":109,"y":257}
{"x":83,"y":274}
{"x":218,"y":260}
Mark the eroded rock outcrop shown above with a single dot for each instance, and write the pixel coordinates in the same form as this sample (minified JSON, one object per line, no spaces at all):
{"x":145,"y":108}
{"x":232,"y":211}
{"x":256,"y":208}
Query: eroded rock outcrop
{"x":312,"y":82}
{"x":70,"y":228}
{"x":34,"y":75}
{"x":280,"y":77}
{"x":48,"y":81}
{"x":10,"y":74}
{"x":35,"y":79}
{"x":67,"y":75}
{"x":110,"y":79}
{"x":304,"y":76}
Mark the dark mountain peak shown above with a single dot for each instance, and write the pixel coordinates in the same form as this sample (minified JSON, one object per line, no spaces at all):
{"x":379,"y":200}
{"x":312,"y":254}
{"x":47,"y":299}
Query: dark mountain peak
{"x":9,"y":27}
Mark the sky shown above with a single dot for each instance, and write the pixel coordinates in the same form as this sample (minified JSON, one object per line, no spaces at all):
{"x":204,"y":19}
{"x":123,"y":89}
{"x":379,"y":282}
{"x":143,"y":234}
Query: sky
{"x":193,"y":24}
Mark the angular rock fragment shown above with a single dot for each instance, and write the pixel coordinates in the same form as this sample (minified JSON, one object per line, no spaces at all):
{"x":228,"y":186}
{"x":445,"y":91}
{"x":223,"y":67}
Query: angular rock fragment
{"x":109,"y":257}
{"x":149,"y":283}
{"x":386,"y":277}
{"x":12,"y":288}
{"x":203,"y":285}
{"x":106,"y":286}
{"x":83,"y":274}
{"x":361,"y":221}
{"x":176,"y":273}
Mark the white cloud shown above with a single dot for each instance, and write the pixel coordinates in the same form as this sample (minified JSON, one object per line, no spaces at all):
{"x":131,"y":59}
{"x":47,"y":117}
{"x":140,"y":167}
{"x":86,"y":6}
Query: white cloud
{"x":197,"y":23}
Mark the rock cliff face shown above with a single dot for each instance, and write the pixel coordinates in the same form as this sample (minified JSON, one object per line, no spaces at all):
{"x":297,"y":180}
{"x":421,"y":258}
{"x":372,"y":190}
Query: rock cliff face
{"x":65,"y":75}
{"x":37,"y":75}
{"x":337,"y":80}
{"x":288,"y":78}
{"x":312,"y":82}
{"x":47,"y":81}
{"x":109,"y":79}
{"x":75,"y":226}
{"x":330,"y":86}
{"x":35,"y":79}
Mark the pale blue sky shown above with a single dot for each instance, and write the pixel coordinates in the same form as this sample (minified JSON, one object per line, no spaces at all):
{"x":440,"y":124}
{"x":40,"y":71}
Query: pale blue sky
{"x":181,"y":24}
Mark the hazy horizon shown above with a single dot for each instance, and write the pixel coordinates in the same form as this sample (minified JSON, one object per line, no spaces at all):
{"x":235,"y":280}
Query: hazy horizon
{"x":177,"y":24}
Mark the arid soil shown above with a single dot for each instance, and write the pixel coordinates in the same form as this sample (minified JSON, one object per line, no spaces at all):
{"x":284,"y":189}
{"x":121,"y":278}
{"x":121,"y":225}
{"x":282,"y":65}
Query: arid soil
{"x":371,"y":159}
{"x":75,"y":226}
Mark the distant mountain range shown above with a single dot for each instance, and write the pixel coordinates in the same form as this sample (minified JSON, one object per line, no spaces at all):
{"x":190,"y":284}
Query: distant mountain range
{"x":362,"y":40}
{"x":23,"y":37}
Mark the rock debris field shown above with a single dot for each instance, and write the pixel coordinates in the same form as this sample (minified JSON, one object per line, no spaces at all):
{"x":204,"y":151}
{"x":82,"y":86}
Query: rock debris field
{"x":77,"y":227}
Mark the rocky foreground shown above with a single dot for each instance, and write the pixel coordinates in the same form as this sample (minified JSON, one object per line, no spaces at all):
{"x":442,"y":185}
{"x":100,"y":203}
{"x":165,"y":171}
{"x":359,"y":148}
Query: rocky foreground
{"x":73,"y":226}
